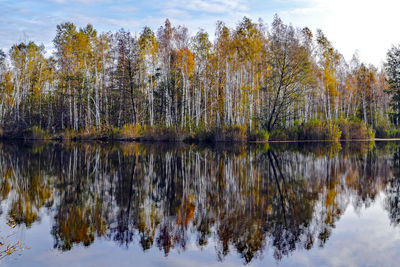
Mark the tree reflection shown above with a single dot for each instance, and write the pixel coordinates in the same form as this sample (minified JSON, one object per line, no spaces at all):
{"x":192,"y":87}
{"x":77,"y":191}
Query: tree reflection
{"x":241,"y":198}
{"x":393,"y":190}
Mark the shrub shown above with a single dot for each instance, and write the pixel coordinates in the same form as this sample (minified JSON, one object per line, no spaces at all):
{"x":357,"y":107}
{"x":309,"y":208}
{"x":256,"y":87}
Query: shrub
{"x":113,"y":132}
{"x":334,"y":132}
{"x":259,"y":135}
{"x":88,"y":133}
{"x":203,"y":135}
{"x":381,"y":132}
{"x":383,"y":127}
{"x":392,"y":133}
{"x":236,"y":133}
{"x":318,"y":130}
{"x":311,"y":130}
{"x":162,"y":133}
{"x":130,"y":131}
{"x":278,"y":134}
{"x":38,"y":133}
{"x":69,"y":134}
{"x":354,"y":130}
{"x":370,"y":133}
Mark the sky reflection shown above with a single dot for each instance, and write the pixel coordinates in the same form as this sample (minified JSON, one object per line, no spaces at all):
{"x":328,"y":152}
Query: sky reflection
{"x":286,"y":205}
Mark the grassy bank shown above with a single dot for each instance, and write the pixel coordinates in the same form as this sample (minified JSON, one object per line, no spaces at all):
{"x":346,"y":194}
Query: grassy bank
{"x":324,"y":130}
{"x":311,"y":130}
{"x":131,"y":132}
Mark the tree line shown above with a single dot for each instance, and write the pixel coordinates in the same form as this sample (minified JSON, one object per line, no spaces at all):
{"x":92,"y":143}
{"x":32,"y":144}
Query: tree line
{"x":251,"y":78}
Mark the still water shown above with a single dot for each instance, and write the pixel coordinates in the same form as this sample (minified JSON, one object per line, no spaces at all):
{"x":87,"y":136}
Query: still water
{"x":126,"y":204}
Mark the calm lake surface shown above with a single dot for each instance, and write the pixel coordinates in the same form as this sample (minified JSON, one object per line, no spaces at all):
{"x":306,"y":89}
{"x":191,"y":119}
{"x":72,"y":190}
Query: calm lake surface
{"x":286,"y":204}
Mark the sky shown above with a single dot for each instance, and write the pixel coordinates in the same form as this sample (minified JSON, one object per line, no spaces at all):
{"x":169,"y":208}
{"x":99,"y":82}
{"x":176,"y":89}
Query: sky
{"x":369,"y":27}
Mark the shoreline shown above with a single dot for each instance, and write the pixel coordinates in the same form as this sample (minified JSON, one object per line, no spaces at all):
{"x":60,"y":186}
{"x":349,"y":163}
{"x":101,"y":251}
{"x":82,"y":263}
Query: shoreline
{"x":320,"y":132}
{"x":192,"y":141}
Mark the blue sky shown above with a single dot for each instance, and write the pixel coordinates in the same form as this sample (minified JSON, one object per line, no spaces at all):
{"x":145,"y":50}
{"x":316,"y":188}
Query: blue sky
{"x":368,"y":26}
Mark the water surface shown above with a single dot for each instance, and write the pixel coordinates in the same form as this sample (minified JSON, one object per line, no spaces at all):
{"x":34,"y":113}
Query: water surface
{"x":96,"y":204}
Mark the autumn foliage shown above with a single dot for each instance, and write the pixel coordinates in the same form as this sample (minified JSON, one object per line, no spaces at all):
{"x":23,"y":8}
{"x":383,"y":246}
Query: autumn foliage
{"x":250,"y":82}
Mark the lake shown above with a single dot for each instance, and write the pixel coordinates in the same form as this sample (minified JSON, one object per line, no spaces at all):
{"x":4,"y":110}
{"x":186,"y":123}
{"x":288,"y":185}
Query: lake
{"x":286,"y":204}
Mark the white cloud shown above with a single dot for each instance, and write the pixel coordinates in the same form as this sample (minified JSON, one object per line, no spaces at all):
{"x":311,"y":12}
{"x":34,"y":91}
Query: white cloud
{"x":210,"y":6}
{"x":77,"y":1}
{"x":369,"y":26}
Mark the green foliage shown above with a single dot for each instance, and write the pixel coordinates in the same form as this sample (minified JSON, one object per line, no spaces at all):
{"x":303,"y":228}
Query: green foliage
{"x":393,"y":76}
{"x":391,"y":133}
{"x":259,"y":135}
{"x":384,"y":129}
{"x":36,"y":132}
{"x":311,"y":130}
{"x":278,"y":134}
{"x":323,"y":130}
{"x":113,"y":132}
{"x":370,"y":133}
{"x":334,"y":131}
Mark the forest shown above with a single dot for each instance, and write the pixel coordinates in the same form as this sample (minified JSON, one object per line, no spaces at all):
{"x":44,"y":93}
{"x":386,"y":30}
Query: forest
{"x":252,"y":82}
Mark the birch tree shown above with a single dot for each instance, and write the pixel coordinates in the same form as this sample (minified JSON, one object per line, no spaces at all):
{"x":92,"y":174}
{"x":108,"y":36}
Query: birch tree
{"x":288,"y":73}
